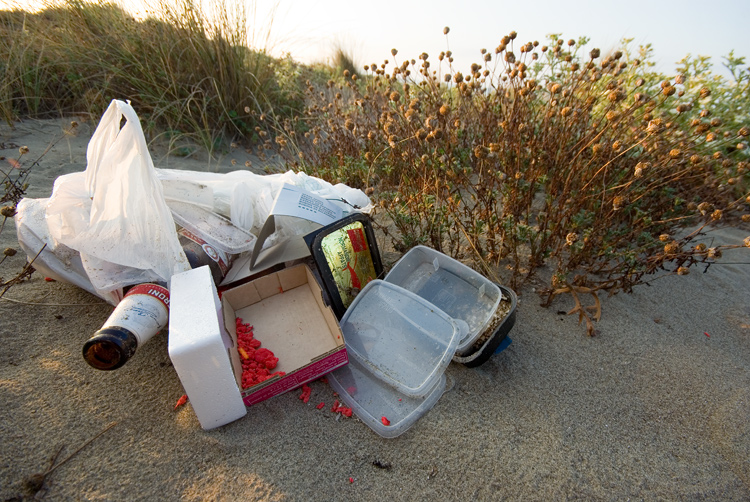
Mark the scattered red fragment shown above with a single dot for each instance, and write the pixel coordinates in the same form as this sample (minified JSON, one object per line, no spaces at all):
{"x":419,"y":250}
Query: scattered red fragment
{"x":351,"y":480}
{"x":321,"y":406}
{"x":707,"y":334}
{"x":181,"y":401}
{"x":49,"y":279}
{"x":385,"y":421}
{"x":335,"y":406}
{"x":306,"y":391}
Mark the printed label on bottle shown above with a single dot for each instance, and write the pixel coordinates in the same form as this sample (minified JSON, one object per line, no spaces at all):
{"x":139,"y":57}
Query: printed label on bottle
{"x":144,"y":311}
{"x":220,"y":257}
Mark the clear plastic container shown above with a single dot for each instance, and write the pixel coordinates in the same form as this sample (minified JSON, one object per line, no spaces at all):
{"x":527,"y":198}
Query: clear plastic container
{"x":399,"y":337}
{"x":371,"y":399}
{"x":212,"y":227}
{"x":465,"y":295}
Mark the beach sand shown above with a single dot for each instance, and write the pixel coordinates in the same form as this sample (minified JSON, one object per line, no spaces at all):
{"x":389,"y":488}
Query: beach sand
{"x":656,"y":406}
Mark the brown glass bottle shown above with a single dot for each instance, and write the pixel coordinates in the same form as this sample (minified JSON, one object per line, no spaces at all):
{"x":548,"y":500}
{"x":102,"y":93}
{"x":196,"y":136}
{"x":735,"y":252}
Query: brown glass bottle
{"x":142,"y":312}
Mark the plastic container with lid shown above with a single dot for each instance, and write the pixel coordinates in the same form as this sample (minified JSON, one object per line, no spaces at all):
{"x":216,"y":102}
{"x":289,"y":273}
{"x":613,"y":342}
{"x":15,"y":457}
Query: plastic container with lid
{"x":399,"y":337}
{"x":465,"y":295}
{"x":212,"y":227}
{"x":371,"y":399}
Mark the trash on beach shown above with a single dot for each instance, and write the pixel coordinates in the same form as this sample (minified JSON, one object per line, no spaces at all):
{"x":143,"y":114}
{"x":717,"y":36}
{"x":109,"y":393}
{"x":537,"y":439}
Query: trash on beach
{"x":266,"y":283}
{"x":286,"y":311}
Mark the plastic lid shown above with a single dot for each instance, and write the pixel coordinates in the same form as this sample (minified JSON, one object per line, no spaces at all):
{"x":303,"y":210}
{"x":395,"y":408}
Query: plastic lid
{"x":212,"y":227}
{"x":399,"y":337}
{"x":371,"y":399}
{"x":459,"y":291}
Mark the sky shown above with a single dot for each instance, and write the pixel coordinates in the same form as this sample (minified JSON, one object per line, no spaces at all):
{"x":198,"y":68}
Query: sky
{"x":311,"y":29}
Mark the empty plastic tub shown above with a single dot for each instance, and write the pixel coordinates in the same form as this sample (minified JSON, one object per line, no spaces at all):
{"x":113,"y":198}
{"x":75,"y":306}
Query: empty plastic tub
{"x":371,"y":399}
{"x":399,"y":337}
{"x":462,"y":293}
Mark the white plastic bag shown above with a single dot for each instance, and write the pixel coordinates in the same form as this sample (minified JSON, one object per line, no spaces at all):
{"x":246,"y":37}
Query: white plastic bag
{"x":51,"y":258}
{"x":114,"y":214}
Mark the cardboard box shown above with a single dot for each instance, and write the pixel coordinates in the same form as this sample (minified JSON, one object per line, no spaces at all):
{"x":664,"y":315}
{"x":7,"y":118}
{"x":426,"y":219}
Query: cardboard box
{"x":289,"y":317}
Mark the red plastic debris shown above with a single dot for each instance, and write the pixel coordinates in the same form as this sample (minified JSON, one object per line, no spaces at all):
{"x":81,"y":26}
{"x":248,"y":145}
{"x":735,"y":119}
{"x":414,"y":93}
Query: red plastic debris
{"x":321,"y":406}
{"x":385,"y":421}
{"x":707,"y":334}
{"x":49,"y":279}
{"x":256,"y":361}
{"x":351,"y":480}
{"x":181,"y":401}
{"x":337,"y":408}
{"x":306,"y":391}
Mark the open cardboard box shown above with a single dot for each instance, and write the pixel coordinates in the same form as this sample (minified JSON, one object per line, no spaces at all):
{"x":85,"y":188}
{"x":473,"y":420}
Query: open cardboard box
{"x":289,"y":317}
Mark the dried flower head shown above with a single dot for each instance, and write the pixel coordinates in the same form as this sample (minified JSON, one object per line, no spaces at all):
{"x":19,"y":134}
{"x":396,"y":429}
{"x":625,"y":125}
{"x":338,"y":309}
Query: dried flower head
{"x":683,"y":271}
{"x":619,"y":202}
{"x":9,"y":252}
{"x":655,"y":126}
{"x":571,"y":238}
{"x":446,"y":30}
{"x":23,"y":150}
{"x":8,"y":211}
{"x":703,"y":207}
{"x":664,"y":237}
{"x":746,"y":242}
{"x":672,"y":247}
{"x":714,"y":253}
{"x":674,"y":153}
{"x":394,"y":52}
{"x":705,"y":92}
{"x":744,"y":132}
{"x":716,"y":215}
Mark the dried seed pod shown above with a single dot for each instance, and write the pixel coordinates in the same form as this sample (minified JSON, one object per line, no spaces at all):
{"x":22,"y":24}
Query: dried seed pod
{"x":672,"y":247}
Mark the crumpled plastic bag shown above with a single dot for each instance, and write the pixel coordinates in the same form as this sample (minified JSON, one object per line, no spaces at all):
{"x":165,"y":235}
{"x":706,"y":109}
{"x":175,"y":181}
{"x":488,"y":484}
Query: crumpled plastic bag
{"x":114,"y":213}
{"x":246,"y":198}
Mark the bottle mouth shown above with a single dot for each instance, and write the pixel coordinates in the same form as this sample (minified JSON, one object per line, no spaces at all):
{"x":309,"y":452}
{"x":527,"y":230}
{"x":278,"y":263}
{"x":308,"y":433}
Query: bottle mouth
{"x":109,"y":348}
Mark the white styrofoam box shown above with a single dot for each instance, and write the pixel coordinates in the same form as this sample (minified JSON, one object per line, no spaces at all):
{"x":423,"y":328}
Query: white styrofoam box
{"x":199,"y":349}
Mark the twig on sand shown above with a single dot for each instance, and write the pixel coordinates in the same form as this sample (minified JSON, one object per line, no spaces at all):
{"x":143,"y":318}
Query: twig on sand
{"x":35,"y":482}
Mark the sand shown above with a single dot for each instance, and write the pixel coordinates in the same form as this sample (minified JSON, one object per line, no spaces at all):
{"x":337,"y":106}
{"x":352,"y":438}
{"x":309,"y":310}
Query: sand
{"x":656,"y":406}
